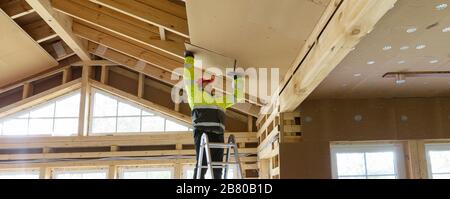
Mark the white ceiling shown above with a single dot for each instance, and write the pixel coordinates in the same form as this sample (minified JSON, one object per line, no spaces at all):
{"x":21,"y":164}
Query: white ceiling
{"x":356,"y":78}
{"x":258,"y":33}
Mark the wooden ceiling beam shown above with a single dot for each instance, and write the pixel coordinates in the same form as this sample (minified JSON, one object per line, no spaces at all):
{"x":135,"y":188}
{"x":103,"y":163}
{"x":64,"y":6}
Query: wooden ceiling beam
{"x":345,"y":28}
{"x":125,"y":47}
{"x":120,"y":24}
{"x":131,"y":63}
{"x":149,"y":14}
{"x":40,"y":31}
{"x":16,"y":8}
{"x":62,"y":25}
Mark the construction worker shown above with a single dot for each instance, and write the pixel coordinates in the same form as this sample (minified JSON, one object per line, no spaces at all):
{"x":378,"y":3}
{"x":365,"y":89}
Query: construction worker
{"x":208,"y":111}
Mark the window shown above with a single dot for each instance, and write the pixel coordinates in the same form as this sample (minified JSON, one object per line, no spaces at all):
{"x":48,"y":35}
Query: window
{"x":112,"y":114}
{"x":371,"y":161}
{"x":84,"y":173}
{"x":188,"y":172}
{"x":438,"y":160}
{"x":146,"y":173}
{"x":58,"y":117}
{"x":19,"y":174}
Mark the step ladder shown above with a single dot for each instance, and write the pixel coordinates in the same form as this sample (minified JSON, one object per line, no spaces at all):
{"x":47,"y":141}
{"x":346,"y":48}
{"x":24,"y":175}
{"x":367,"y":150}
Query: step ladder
{"x":205,"y":147}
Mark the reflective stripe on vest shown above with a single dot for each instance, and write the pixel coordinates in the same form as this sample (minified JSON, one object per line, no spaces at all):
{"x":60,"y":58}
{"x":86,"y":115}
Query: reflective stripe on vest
{"x":209,"y":124}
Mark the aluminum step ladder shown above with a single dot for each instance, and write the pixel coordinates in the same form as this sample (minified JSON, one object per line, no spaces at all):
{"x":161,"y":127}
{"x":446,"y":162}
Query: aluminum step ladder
{"x":205,"y":147}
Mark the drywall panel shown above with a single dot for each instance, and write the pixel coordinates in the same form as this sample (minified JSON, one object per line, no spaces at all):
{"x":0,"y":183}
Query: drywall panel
{"x":376,"y":119}
{"x":324,"y":121}
{"x":20,"y":55}
{"x":306,"y":160}
{"x":258,"y":33}
{"x":410,"y":37}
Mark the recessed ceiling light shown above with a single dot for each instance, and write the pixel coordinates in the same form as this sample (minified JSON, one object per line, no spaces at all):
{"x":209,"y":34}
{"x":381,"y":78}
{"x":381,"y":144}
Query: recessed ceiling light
{"x":386,"y":48}
{"x":434,"y":61}
{"x":404,"y":48}
{"x":401,"y":62}
{"x":371,"y":62}
{"x":441,"y":6}
{"x":420,"y":46}
{"x":357,"y":75}
{"x":447,"y":29}
{"x":352,"y":49}
{"x":411,"y":30}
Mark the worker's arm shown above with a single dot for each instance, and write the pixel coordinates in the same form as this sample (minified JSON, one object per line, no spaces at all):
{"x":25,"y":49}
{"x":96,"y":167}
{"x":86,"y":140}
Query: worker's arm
{"x":188,"y":76}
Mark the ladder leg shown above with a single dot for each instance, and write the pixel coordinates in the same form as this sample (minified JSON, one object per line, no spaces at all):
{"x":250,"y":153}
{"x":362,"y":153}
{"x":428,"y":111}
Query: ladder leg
{"x":200,"y":157}
{"x":227,"y":159}
{"x":236,"y":156}
{"x":208,"y":156}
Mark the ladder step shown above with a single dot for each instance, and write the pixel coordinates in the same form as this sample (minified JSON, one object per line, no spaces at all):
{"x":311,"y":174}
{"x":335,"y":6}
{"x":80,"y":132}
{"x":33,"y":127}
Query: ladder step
{"x":223,"y":163}
{"x":216,"y":165}
{"x":220,"y":145}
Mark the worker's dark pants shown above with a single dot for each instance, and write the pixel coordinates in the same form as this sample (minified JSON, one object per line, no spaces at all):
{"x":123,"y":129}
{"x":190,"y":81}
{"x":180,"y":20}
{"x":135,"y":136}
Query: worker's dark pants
{"x":216,"y":154}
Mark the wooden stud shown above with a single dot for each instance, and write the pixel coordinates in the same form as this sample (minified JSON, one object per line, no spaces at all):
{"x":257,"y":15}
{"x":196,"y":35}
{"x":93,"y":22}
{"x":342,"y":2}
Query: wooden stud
{"x":26,"y":90}
{"x":178,"y":170}
{"x":84,"y":102}
{"x":141,"y":85}
{"x":67,"y":75}
{"x":250,"y":123}
{"x":112,"y":172}
{"x":104,"y":77}
{"x":44,"y":173}
{"x":114,"y":148}
{"x":422,"y":160}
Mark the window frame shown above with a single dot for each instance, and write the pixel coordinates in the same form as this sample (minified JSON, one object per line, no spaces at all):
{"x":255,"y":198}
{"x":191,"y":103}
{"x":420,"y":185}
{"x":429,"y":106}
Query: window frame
{"x":441,"y":146}
{"x":121,"y":169}
{"x":74,"y":169}
{"x":30,"y":109}
{"x":352,"y":147}
{"x":33,"y":170}
{"x":139,"y":106}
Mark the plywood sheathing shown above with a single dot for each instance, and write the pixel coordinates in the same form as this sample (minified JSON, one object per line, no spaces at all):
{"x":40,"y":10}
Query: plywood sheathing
{"x":20,"y":54}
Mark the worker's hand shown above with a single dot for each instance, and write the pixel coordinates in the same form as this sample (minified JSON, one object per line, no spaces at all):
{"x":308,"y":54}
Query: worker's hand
{"x":188,"y":54}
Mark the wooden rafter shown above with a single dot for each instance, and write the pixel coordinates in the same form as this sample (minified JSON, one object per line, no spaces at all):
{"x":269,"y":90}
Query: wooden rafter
{"x":16,"y":8}
{"x":348,"y":22}
{"x":149,"y":12}
{"x":91,"y":34}
{"x":40,"y":31}
{"x":121,"y":24}
{"x":62,"y":25}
